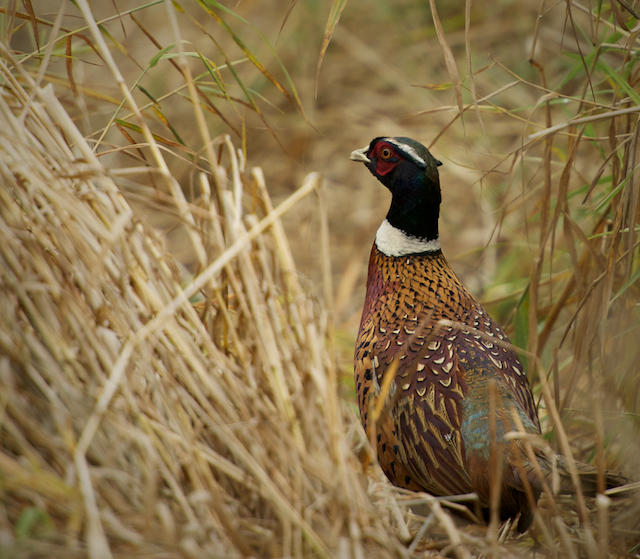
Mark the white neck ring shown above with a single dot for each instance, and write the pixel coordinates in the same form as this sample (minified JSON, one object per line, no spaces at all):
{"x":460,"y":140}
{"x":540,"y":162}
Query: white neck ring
{"x":394,"y":242}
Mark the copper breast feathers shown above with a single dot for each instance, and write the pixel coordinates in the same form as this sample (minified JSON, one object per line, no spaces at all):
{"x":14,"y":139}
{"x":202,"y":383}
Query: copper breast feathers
{"x":420,"y":324}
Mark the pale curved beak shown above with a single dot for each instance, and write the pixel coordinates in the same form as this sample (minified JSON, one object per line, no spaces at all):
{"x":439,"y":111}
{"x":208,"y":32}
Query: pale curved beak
{"x":360,"y":155}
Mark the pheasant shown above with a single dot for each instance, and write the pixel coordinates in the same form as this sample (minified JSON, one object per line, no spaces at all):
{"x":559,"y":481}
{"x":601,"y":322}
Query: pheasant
{"x":451,"y":363}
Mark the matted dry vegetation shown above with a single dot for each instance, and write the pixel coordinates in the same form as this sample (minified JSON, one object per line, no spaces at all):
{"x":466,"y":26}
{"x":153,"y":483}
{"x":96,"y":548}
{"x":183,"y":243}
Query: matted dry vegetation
{"x":171,"y":384}
{"x":131,"y":421}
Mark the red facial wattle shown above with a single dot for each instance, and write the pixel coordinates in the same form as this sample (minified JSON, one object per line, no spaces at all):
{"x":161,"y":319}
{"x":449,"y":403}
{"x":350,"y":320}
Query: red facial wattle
{"x":386,"y":158}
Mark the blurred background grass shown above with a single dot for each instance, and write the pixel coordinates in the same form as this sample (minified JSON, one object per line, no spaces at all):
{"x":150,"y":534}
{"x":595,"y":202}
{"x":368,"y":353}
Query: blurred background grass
{"x":544,"y":229}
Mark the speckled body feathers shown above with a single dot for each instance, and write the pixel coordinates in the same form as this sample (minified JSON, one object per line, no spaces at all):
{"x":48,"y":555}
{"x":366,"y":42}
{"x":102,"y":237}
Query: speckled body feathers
{"x":434,"y":433}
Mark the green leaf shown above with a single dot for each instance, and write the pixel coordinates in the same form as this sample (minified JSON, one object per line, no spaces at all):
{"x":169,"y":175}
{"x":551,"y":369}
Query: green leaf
{"x":578,"y":68}
{"x":32,"y":520}
{"x":611,"y":195}
{"x":160,"y":55}
{"x":633,"y":279}
{"x":619,"y":80}
{"x":225,"y":9}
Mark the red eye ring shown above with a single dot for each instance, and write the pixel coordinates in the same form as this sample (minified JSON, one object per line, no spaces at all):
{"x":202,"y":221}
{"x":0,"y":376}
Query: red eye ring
{"x":386,"y":153}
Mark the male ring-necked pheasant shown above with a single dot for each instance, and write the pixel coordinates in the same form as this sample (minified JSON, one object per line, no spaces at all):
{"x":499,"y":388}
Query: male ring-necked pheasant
{"x":437,"y":432}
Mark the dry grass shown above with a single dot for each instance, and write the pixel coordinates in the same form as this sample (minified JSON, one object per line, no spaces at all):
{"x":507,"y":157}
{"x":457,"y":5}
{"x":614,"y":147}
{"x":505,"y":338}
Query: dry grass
{"x":173,"y":384}
{"x":130,"y":420}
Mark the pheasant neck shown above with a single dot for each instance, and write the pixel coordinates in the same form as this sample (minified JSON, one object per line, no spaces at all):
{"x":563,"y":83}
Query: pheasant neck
{"x":393,"y":241}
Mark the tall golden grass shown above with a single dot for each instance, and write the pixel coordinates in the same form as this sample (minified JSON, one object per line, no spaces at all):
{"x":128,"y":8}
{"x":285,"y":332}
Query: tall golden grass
{"x":170,"y":385}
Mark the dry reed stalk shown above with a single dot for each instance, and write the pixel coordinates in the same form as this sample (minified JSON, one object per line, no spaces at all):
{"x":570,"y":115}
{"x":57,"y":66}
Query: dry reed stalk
{"x":126,"y":423}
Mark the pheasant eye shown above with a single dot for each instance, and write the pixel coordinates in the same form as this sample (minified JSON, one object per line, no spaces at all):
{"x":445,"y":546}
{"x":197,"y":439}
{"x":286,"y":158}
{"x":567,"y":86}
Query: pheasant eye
{"x":386,"y":153}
